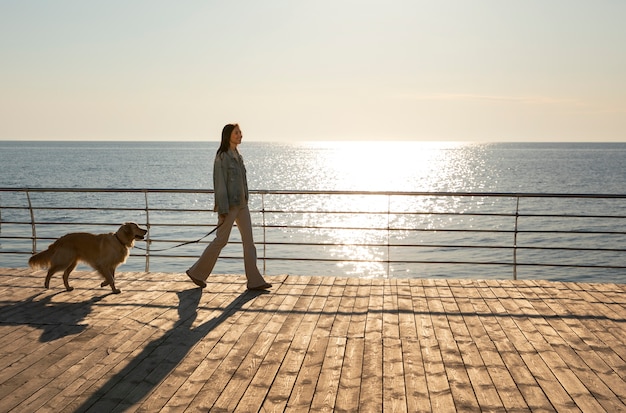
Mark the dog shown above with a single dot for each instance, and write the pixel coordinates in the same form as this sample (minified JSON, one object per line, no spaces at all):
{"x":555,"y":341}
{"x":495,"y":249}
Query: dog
{"x":103,"y":252}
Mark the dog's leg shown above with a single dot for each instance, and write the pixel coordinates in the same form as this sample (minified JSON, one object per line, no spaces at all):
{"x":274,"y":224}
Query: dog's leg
{"x":66,"y":275}
{"x":105,"y":282}
{"x":54,"y":268}
{"x":110,"y":280}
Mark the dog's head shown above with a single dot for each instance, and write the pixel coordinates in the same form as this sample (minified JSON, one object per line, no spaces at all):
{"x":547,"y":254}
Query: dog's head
{"x":130,"y":232}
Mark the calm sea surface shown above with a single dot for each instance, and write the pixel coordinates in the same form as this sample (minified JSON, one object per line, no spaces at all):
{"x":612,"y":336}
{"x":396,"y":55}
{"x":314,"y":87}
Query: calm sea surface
{"x":590,"y":168}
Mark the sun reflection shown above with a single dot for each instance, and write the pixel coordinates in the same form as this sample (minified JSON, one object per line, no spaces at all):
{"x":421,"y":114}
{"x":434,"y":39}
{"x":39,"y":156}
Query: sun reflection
{"x":358,"y":242}
{"x":359,"y":223}
{"x":390,"y":166}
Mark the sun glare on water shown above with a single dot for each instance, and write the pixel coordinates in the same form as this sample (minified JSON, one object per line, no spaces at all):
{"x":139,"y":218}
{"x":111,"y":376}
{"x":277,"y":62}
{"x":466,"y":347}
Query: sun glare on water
{"x":356,"y":225}
{"x":387,"y":166}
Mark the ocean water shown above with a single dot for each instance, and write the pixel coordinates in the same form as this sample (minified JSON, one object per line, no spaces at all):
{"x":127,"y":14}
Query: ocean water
{"x":570,"y":168}
{"x":372,"y":166}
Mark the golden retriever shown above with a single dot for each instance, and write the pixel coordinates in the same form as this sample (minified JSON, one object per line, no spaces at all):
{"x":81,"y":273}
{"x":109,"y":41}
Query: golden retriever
{"x":103,"y":252}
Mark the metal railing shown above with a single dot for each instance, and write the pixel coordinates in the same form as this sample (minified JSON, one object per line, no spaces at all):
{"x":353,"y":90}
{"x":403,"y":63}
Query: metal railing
{"x":364,"y":233}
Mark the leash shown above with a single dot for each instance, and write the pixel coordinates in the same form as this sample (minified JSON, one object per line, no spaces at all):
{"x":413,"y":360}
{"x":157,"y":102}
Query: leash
{"x":184,"y":243}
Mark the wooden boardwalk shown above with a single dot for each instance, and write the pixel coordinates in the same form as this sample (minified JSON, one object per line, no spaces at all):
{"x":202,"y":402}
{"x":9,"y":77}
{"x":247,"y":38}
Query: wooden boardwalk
{"x":310,"y":344}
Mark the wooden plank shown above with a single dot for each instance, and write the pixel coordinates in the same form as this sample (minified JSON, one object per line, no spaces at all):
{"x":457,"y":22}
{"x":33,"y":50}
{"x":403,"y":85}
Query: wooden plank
{"x":406,"y":316}
{"x":374,"y":321}
{"x":326,"y":389}
{"x":345,"y":310}
{"x":329,"y":314}
{"x":394,"y":393}
{"x":371,"y":396}
{"x":349,"y":390}
{"x":439,"y":389}
{"x":356,"y":329}
{"x":391,"y":320}
{"x":372,"y":370}
{"x":416,"y":387}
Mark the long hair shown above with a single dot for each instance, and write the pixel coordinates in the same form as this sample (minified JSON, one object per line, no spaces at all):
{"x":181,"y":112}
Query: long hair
{"x":225,"y":144}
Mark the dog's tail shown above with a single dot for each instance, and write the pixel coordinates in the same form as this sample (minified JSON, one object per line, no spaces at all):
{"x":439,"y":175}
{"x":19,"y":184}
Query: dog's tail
{"x":41,"y":260}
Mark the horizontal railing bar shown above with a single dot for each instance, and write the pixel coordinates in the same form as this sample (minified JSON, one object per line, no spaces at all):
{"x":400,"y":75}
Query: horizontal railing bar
{"x":323,"y":244}
{"x":116,"y":209}
{"x":527,"y":264}
{"x":328,"y":192}
{"x":493,"y":263}
{"x":433,"y":229}
{"x":453,"y":246}
{"x":391,"y":212}
{"x":457,"y":230}
{"x":324,"y":212}
{"x":494,"y":231}
{"x":425,"y":213}
{"x":556,"y":231}
{"x":528,"y":215}
{"x":331,"y":212}
{"x":385,"y":213}
{"x":397,"y":229}
{"x":36,"y":208}
{"x":414,"y":262}
{"x":73,"y":223}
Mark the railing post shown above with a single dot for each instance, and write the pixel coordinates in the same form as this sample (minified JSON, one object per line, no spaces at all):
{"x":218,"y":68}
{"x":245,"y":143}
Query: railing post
{"x":264,"y":238}
{"x":515,"y":239}
{"x":32,"y":222}
{"x":147,"y":267}
{"x":388,"y":236}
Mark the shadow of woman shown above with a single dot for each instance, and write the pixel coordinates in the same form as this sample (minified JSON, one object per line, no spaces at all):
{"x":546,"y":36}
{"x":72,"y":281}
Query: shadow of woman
{"x":159,"y":357}
{"x":56,"y":320}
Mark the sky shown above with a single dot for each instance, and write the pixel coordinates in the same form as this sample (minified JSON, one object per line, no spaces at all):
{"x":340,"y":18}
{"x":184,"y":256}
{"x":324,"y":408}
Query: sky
{"x":290,"y":70}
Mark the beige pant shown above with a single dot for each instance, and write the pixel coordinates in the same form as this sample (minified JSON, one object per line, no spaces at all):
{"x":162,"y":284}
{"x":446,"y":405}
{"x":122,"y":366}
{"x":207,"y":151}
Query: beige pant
{"x":241,"y":215}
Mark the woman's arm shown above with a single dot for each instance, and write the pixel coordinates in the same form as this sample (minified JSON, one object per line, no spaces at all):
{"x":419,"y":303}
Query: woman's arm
{"x":219,"y":186}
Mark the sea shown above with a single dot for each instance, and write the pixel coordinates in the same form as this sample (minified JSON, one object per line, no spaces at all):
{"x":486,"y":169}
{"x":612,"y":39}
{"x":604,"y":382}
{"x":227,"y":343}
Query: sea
{"x":560,"y":168}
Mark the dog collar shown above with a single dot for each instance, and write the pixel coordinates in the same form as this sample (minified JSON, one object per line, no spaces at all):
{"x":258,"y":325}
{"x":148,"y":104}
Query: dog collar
{"x":118,"y":238}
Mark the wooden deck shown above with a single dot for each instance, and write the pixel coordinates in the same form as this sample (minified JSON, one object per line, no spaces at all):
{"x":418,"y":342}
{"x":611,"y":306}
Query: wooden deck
{"x":310,"y":344}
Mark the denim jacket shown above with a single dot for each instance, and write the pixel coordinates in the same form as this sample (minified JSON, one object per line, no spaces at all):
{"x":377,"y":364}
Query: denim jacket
{"x":229,"y":182}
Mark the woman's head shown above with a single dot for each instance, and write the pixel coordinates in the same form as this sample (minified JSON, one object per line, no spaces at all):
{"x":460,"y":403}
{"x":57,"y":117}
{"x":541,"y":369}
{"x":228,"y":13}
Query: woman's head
{"x":227,"y":132}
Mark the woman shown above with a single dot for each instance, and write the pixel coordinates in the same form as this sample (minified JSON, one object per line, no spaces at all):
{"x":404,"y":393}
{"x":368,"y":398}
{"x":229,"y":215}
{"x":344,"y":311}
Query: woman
{"x":231,"y":203}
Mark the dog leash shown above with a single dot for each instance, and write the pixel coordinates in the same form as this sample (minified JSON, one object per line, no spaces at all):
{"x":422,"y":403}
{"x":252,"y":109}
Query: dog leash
{"x":184,"y":243}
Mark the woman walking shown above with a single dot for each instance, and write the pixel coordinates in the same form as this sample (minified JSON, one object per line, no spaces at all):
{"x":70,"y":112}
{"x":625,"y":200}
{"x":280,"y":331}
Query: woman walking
{"x":231,"y":203}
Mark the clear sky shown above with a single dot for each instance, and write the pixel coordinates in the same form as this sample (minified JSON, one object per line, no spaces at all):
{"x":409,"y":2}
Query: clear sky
{"x":479,"y":70}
